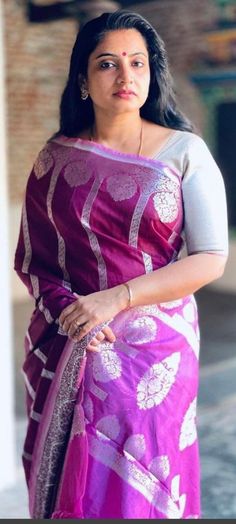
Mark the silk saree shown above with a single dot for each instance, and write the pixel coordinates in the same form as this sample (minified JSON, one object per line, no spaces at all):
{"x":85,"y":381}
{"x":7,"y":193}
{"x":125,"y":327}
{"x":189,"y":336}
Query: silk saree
{"x":110,"y":434}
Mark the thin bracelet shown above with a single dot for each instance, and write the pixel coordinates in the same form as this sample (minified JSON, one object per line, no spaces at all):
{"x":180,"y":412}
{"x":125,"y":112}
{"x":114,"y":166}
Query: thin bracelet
{"x":130,"y":293}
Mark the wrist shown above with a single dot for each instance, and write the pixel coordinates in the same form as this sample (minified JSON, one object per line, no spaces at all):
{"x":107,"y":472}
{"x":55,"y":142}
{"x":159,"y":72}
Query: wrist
{"x":125,"y":296}
{"x":130,"y":294}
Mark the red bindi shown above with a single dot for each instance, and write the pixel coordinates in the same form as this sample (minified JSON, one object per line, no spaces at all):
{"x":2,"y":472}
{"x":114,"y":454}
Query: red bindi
{"x":124,"y":53}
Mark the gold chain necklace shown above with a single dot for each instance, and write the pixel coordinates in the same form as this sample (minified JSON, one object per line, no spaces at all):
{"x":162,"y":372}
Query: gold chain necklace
{"x":91,"y":138}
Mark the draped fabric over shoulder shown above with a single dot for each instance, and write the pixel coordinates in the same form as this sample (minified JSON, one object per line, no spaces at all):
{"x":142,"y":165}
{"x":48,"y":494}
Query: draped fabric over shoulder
{"x":110,"y":434}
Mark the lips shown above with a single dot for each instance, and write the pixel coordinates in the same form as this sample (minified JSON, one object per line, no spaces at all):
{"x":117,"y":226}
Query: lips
{"x":125,"y":92}
{"x":125,"y":95}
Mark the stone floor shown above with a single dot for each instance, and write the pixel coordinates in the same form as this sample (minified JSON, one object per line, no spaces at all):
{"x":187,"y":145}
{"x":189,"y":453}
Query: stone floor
{"x":216,"y":408}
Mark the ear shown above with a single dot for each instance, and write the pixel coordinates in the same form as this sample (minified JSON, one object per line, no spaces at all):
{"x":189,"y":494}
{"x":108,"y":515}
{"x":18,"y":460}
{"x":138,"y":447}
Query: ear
{"x":82,"y":81}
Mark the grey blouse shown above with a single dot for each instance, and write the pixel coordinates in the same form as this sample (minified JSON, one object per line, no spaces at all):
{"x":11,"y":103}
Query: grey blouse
{"x":204,"y":199}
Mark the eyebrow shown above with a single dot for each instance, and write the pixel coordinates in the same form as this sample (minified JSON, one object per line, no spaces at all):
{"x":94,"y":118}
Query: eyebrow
{"x":117,"y":56}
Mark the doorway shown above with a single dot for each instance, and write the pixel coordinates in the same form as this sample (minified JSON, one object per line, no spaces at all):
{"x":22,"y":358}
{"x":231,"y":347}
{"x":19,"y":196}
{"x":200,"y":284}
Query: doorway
{"x":226,"y":153}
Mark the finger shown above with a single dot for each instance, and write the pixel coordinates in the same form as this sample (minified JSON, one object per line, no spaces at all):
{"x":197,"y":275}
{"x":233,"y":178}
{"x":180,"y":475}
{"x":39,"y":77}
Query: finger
{"x":75,"y":324}
{"x":93,"y":349}
{"x":85,"y":329}
{"x":109,"y":334}
{"x":100,"y":336}
{"x":94,"y":342}
{"x":67,"y":311}
{"x":73,"y":320}
{"x":71,"y":325}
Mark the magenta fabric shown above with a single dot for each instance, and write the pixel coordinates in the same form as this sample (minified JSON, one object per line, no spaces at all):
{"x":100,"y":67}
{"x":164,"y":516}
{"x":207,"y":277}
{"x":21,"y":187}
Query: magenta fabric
{"x":110,"y":435}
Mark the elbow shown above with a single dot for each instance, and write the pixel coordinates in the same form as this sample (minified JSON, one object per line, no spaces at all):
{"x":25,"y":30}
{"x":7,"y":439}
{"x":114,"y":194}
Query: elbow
{"x":220,"y":265}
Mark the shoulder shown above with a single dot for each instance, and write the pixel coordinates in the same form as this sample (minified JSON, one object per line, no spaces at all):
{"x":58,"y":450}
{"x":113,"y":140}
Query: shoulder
{"x":56,"y":151}
{"x":197,"y":151}
{"x":189,"y":141}
{"x":188,"y":154}
{"x":46,"y":158}
{"x":192,"y":149}
{"x":198,"y":160}
{"x":194,"y":143}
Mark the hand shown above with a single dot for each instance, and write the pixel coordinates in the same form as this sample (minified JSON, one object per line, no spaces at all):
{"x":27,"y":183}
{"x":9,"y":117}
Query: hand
{"x":87,"y":312}
{"x":105,"y":333}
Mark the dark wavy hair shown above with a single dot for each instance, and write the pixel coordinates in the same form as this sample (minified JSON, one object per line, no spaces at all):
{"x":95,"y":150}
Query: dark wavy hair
{"x":160,"y":106}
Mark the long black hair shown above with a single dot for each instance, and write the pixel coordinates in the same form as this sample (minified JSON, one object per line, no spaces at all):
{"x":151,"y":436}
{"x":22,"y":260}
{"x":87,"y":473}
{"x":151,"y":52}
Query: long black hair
{"x":160,"y":106}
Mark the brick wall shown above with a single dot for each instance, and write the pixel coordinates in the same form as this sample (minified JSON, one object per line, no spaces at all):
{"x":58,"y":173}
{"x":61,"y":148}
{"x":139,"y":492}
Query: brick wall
{"x":37,"y":59}
{"x":181,"y":24}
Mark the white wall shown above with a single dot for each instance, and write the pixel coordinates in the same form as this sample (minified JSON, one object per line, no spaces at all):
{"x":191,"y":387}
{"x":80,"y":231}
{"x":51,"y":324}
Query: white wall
{"x":7,"y":449}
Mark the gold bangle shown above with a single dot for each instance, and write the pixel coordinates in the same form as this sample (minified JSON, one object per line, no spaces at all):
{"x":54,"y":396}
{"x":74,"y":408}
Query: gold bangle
{"x":130,"y":294}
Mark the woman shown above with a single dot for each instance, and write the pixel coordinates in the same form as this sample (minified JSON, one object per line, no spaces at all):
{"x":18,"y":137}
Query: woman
{"x":111,"y":366}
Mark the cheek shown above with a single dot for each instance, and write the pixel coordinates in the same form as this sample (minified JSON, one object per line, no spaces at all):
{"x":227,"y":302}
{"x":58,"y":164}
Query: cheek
{"x":148,"y":78}
{"x":100,"y":84}
{"x":143,"y":77}
{"x":145,"y":83}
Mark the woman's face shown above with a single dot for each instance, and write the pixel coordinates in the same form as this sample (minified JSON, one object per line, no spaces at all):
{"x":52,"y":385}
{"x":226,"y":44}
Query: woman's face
{"x":118,"y":75}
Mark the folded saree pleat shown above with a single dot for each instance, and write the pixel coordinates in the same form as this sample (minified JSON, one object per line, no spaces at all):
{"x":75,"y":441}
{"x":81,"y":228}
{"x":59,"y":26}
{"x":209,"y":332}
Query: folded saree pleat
{"x":111,"y":434}
{"x":73,"y":481}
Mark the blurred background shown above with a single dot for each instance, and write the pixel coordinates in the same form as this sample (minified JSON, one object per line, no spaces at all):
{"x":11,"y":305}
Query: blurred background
{"x":36,"y":41}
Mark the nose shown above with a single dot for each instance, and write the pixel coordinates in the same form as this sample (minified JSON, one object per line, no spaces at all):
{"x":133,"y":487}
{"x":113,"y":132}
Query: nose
{"x":125,"y":75}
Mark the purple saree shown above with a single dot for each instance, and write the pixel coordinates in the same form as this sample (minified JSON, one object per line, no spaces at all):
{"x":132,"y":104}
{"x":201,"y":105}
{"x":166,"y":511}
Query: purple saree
{"x":110,"y":435}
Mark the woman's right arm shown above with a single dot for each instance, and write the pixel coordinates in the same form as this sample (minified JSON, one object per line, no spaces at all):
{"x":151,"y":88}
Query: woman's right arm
{"x":39,"y":259}
{"x":37,"y":271}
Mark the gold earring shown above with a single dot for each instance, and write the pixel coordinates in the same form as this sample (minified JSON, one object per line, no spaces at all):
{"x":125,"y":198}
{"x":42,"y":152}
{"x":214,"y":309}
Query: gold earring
{"x":84,"y":93}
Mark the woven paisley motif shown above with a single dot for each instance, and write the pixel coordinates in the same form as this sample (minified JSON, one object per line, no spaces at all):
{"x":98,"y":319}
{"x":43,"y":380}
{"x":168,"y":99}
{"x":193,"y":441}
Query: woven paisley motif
{"x":188,"y":432}
{"x":160,"y":467}
{"x":121,"y":187}
{"x":155,"y":385}
{"x":141,"y":330}
{"x":77,"y":174}
{"x":108,"y":427}
{"x":106,"y":366}
{"x":166,"y":200}
{"x":135,"y":446}
{"x":43,"y":163}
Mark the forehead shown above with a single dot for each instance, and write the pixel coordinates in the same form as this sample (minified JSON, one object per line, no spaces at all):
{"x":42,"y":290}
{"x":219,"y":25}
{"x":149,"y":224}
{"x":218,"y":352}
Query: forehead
{"x":122,"y":40}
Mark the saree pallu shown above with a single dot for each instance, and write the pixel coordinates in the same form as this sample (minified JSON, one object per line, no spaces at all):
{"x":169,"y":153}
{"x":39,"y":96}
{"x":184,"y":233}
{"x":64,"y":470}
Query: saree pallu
{"x":113,"y":434}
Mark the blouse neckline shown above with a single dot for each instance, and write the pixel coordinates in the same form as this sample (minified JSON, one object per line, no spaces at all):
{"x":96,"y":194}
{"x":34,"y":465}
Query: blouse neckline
{"x":91,"y":145}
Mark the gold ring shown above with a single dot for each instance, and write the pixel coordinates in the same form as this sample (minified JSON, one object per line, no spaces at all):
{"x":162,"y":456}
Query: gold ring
{"x":80,"y":326}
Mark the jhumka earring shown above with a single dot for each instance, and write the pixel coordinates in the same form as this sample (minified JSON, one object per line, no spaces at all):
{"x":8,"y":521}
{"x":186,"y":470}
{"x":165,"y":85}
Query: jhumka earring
{"x":84,"y":93}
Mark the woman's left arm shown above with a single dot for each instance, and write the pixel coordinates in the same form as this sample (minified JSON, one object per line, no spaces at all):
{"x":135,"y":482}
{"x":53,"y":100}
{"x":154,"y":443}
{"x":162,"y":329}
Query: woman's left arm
{"x":177,"y":280}
{"x":205,"y":232}
{"x":168,"y":283}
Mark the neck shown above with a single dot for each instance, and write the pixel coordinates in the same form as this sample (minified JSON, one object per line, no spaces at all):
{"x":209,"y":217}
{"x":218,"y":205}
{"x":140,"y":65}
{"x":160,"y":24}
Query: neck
{"x":121,"y":132}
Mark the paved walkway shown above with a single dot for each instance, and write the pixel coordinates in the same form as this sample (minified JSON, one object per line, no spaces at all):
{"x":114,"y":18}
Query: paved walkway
{"x":216,"y":411}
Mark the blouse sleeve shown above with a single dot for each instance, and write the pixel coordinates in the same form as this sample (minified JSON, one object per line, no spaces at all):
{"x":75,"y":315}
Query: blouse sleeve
{"x":204,"y":201}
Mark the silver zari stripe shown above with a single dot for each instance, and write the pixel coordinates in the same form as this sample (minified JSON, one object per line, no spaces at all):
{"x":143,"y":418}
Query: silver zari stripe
{"x":85,"y":218}
{"x":141,"y":480}
{"x":28,"y":386}
{"x":27,"y":243}
{"x":47,"y":374}
{"x":61,"y":243}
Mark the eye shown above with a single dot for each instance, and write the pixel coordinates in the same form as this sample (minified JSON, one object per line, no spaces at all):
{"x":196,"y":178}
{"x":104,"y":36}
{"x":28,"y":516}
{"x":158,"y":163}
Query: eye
{"x":106,"y":65}
{"x":138,"y":63}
